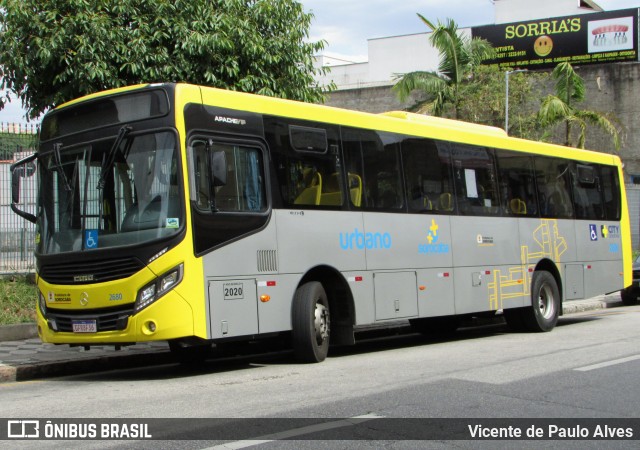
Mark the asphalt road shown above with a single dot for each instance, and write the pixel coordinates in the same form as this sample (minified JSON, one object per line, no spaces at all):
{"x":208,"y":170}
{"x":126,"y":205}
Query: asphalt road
{"x":586,"y":368}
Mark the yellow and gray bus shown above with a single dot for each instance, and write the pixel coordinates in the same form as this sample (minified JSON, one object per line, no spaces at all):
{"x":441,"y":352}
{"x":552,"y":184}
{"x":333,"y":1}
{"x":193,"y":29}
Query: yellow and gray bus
{"x":201,"y":216}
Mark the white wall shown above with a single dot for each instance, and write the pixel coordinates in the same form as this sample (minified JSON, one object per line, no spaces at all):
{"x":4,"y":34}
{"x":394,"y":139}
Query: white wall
{"x":521,"y":10}
{"x":388,"y":56}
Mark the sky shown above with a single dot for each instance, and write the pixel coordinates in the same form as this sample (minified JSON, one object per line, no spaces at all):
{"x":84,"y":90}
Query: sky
{"x":346,"y":25}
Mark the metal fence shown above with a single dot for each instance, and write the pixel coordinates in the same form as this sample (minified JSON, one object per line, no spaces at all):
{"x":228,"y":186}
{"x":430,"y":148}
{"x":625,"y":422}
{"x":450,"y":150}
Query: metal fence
{"x":17,"y":236}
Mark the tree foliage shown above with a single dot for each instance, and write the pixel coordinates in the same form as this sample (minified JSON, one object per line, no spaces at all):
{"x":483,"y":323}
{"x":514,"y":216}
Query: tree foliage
{"x":52,"y":51}
{"x":482,"y":100}
{"x":459,"y":57}
{"x":560,"y":108}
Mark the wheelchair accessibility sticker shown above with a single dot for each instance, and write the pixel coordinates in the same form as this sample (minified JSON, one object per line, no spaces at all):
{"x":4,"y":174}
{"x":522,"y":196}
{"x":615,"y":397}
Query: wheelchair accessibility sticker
{"x":593,"y":231}
{"x":91,"y":239}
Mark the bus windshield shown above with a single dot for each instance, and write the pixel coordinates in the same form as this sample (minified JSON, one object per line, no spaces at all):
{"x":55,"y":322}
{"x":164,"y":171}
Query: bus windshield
{"x":109,"y":193}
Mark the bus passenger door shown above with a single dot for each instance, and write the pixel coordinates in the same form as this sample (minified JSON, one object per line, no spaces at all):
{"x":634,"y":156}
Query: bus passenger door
{"x":233,"y":308}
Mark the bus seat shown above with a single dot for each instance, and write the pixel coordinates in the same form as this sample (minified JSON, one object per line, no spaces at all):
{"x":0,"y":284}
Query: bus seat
{"x":445,"y":202}
{"x":311,"y":194}
{"x":517,"y":206}
{"x":355,"y":189}
{"x":331,"y":194}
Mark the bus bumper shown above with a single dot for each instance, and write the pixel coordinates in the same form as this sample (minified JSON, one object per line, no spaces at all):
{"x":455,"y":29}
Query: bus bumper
{"x":168,"y":318}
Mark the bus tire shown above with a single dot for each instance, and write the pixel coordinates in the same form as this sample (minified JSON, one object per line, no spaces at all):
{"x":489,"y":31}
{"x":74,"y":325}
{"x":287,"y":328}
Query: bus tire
{"x":311,"y":323}
{"x":629,"y":296}
{"x":543,"y":313}
{"x":190,"y":354}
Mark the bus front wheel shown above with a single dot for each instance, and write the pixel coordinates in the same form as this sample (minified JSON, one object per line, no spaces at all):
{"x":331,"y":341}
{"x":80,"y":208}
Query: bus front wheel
{"x":311,"y":323}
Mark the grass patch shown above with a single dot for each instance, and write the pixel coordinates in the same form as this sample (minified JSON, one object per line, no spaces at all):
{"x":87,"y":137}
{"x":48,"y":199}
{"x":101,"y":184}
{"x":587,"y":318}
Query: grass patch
{"x":18,"y":298}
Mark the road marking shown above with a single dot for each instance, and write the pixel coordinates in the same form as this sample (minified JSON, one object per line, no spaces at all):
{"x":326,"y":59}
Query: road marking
{"x":295,"y":432}
{"x":607,"y":363}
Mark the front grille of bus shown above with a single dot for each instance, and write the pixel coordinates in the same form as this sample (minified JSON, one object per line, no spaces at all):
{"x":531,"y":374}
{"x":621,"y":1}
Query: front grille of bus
{"x":87,"y":272}
{"x":107,"y":319}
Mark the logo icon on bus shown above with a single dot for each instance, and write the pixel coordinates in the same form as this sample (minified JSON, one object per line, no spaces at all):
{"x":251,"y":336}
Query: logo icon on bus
{"x":433,"y":237}
{"x":91,"y":239}
{"x":593,"y":232}
{"x":610,"y":231}
{"x":359,"y":240}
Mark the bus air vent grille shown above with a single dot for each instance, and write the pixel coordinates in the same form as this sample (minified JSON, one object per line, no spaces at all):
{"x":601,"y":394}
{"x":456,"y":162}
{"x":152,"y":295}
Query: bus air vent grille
{"x":87,"y":272}
{"x":267,"y":261}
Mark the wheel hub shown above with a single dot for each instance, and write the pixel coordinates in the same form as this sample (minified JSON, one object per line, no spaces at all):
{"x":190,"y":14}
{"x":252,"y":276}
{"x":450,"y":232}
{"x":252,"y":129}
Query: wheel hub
{"x":545,"y":302}
{"x":321,"y":323}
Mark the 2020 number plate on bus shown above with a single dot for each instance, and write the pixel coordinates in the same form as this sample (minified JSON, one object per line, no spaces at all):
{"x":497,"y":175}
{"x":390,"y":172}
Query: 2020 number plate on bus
{"x":84,"y":326}
{"x":233,"y":291}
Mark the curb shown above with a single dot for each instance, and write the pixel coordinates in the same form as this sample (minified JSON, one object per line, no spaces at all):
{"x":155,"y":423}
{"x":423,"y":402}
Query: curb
{"x":18,"y":332}
{"x":83,"y":366}
{"x":151,"y":358}
{"x":578,"y":306}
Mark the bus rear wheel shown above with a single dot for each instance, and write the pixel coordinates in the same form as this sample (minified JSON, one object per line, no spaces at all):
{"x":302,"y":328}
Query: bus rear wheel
{"x":629,"y":295}
{"x":543,"y":313}
{"x":545,"y":303}
{"x":311,"y":323}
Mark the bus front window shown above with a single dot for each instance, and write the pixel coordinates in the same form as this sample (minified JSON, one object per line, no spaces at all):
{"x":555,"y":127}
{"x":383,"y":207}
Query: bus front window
{"x":96,"y":196}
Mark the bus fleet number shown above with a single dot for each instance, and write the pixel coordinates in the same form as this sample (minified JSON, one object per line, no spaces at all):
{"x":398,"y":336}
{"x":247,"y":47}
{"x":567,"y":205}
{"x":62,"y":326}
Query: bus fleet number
{"x":233,"y":291}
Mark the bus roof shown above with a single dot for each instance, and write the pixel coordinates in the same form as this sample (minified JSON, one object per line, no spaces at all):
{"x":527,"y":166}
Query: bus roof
{"x":391,"y":121}
{"x":447,"y":123}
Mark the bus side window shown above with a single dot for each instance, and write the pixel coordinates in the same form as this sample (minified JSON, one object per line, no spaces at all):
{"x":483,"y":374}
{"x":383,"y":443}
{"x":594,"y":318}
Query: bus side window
{"x":586,"y":192}
{"x":374,"y":157}
{"x":382,"y":181}
{"x":201,"y":171}
{"x":554,"y":188}
{"x":352,"y":147}
{"x":476,"y":180}
{"x":517,"y":183}
{"x":427,"y":175}
{"x":610,"y":185}
{"x":243,"y":189}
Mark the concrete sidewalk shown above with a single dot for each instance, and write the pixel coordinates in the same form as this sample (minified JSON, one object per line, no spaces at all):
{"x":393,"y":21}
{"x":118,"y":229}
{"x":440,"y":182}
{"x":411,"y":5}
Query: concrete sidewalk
{"x":23,"y":357}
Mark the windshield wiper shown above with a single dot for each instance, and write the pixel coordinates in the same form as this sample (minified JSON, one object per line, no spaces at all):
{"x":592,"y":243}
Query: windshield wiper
{"x":111,"y":156}
{"x":58,"y":163}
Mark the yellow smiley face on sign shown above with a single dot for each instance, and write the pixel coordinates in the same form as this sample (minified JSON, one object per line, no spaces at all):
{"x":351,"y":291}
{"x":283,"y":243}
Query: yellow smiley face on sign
{"x":543,"y":46}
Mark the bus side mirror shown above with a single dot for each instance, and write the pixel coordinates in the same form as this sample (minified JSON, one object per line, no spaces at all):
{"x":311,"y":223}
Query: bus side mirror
{"x":219,"y":168}
{"x":21,"y":169}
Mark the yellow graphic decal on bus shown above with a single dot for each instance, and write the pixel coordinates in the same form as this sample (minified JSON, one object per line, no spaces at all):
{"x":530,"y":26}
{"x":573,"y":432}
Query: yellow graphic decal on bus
{"x":515,"y":283}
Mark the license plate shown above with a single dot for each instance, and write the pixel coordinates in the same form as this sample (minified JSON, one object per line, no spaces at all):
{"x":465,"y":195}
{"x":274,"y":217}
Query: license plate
{"x":84,"y":326}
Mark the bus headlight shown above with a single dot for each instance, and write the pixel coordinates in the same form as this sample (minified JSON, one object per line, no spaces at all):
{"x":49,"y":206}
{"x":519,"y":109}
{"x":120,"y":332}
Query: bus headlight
{"x":158,"y":287}
{"x":42,"y":303}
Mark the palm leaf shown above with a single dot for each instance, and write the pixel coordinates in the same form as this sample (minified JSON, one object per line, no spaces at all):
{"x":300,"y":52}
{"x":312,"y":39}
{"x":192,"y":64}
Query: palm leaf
{"x":429,"y":82}
{"x":553,"y":110}
{"x":603,"y":122}
{"x":569,"y":85}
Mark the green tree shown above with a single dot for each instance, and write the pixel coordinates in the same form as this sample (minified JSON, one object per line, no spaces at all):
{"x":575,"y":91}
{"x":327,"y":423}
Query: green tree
{"x":560,"y":108}
{"x":52,"y":51}
{"x":482,"y":100}
{"x":459,"y":57}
